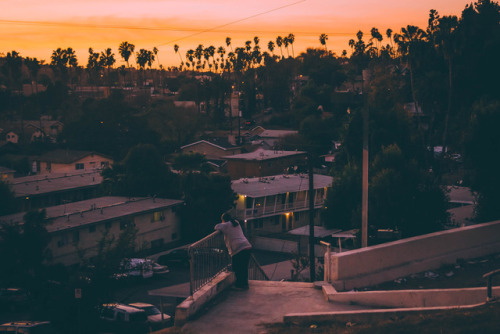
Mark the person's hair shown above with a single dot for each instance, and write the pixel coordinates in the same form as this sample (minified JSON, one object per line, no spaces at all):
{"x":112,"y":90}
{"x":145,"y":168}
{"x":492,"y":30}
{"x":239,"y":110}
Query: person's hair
{"x":227,"y":218}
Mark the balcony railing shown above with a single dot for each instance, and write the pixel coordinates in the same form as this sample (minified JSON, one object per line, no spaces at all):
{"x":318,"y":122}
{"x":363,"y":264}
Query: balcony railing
{"x":209,"y":257}
{"x":278,"y":208}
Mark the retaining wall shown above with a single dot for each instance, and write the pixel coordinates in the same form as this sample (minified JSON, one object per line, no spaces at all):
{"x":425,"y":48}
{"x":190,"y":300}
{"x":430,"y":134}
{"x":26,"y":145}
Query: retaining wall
{"x":381,"y":263}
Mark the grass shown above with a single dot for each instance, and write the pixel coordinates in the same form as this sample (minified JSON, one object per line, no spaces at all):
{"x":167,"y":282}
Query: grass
{"x":482,"y":320}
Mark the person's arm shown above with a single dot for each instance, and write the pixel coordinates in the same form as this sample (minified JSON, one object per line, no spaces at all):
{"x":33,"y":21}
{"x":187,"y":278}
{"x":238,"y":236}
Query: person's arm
{"x":220,"y":227}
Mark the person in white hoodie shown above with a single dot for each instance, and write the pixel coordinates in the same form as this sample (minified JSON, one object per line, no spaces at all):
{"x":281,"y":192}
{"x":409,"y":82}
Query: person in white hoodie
{"x":239,"y":248}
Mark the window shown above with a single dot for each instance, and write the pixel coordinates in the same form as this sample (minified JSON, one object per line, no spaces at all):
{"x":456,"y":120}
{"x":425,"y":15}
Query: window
{"x":79,"y":166}
{"x":104,"y":164}
{"x":76,"y":236}
{"x":158,"y":215}
{"x":107,"y":225}
{"x":174,"y":236}
{"x":92,"y":229}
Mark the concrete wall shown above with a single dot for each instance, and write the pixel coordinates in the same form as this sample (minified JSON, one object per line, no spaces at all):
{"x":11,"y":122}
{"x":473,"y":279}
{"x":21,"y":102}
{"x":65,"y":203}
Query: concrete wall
{"x":415,"y":298}
{"x":372,"y":265}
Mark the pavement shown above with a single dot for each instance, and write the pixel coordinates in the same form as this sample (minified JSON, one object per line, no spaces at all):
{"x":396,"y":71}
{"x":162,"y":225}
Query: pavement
{"x":246,"y":312}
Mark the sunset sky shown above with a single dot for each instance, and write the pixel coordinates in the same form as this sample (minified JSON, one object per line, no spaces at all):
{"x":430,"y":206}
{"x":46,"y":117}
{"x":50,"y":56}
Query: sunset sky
{"x":36,"y":28}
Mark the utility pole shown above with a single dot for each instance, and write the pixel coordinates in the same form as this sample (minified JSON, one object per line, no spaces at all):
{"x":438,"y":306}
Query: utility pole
{"x":364,"y":200}
{"x":312,"y":258}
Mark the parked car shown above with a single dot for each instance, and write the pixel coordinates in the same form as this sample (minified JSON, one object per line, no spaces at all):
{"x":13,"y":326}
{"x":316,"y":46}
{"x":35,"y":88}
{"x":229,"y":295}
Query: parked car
{"x":158,"y":269}
{"x":121,"y":318}
{"x":155,"y":318}
{"x":138,"y":268}
{"x":13,"y":299}
{"x":176,"y":257}
{"x":27,"y":327}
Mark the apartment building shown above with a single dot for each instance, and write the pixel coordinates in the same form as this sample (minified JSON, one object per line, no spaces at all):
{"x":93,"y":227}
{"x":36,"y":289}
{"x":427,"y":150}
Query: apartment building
{"x":278,"y":203}
{"x":76,"y":228}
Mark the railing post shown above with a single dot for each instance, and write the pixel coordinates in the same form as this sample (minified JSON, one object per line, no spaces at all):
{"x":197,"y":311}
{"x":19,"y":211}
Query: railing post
{"x":327,"y":261}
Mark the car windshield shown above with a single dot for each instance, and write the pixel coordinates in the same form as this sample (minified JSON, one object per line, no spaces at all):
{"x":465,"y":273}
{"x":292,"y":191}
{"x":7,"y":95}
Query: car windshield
{"x":151,"y":310}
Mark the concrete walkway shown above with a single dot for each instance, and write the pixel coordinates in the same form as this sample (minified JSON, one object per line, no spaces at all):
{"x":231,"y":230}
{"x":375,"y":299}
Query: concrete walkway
{"x":245,"y":312}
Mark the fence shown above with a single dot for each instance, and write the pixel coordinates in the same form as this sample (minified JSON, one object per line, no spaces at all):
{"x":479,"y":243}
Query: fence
{"x":209,"y":257}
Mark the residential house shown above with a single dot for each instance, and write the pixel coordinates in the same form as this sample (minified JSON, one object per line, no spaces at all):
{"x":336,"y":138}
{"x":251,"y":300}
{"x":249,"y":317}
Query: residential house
{"x":269,"y":139}
{"x":6,"y":174}
{"x":39,"y":191}
{"x":213,"y":149}
{"x":263,"y":163}
{"x":76,"y":228}
{"x":67,"y":161}
{"x":278,"y":203}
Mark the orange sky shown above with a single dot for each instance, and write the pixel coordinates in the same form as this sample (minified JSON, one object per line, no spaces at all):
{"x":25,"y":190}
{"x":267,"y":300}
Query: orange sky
{"x":36,"y":28}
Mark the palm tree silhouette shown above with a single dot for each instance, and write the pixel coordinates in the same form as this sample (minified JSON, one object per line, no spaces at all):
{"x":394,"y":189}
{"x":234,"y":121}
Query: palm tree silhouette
{"x":291,"y":40}
{"x":322,"y":39}
{"x":228,"y":43}
{"x":279,"y":43}
{"x":126,"y":50}
{"x":270,"y":47}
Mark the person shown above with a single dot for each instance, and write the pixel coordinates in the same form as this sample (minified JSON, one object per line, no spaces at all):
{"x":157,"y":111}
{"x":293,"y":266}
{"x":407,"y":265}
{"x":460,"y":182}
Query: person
{"x":239,"y":248}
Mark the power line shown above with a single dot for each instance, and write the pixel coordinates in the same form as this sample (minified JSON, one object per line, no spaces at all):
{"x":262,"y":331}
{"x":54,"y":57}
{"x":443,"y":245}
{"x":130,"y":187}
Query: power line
{"x":103,"y":26}
{"x":233,"y":22}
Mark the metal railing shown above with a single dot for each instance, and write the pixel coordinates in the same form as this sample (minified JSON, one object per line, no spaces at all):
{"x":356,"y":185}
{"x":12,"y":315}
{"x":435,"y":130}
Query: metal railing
{"x":209,"y":257}
{"x":255,"y":271}
{"x":489,"y":276}
{"x":279,"y":208}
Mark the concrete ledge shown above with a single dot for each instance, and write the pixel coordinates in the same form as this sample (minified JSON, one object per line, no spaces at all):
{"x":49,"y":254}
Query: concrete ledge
{"x":329,"y":290}
{"x":365,"y":315}
{"x":415,"y":298}
{"x":193,"y":304}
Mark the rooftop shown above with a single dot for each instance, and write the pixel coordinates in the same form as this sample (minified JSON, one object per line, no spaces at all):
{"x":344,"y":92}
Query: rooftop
{"x":277,"y":133}
{"x":42,"y":184}
{"x":279,"y":184}
{"x":95,"y":210}
{"x":262,"y":154}
{"x":66,"y":156}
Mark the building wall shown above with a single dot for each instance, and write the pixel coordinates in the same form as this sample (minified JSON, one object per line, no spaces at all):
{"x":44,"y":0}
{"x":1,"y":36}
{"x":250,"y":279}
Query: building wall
{"x":65,"y":245}
{"x":89,"y":162}
{"x":210,"y":151}
{"x":256,"y":168}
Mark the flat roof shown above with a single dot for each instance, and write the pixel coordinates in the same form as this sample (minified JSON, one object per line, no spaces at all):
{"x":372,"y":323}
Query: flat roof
{"x":72,"y":215}
{"x":278,"y":184}
{"x":319,"y":231}
{"x":262,"y":154}
{"x":277,"y":133}
{"x":43,"y":184}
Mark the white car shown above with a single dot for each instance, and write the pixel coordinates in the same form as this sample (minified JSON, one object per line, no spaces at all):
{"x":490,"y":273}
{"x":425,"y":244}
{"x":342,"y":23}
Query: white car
{"x":137,"y":268}
{"x":155,"y":318}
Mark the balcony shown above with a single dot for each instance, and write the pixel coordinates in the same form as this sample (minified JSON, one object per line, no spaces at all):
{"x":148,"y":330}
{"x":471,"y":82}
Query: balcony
{"x":266,"y":211}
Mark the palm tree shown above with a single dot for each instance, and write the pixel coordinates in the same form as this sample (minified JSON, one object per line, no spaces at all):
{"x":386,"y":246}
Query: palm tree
{"x":279,"y":43}
{"x":176,"y":50}
{"x":322,"y":39}
{"x":126,"y":50}
{"x":377,"y":36}
{"x":407,"y":43}
{"x":286,"y":42}
{"x":221,"y":52}
{"x":270,"y":46}
{"x":291,"y":40}
{"x":198,"y":53}
{"x":228,"y":43}
{"x":33,"y":66}
{"x":107,"y":59}
{"x":446,"y":40}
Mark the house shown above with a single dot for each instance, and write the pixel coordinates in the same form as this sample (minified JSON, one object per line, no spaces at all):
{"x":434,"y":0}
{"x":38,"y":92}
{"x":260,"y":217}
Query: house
{"x":39,"y":191}
{"x":263,"y":163}
{"x":75,"y":229}
{"x":44,"y":129}
{"x":213,"y":148}
{"x":269,"y":139}
{"x":6,"y":174}
{"x":278,"y":203}
{"x":67,"y":161}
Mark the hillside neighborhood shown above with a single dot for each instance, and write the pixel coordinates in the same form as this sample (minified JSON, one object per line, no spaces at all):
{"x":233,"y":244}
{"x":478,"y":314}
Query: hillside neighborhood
{"x":345,"y":172}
